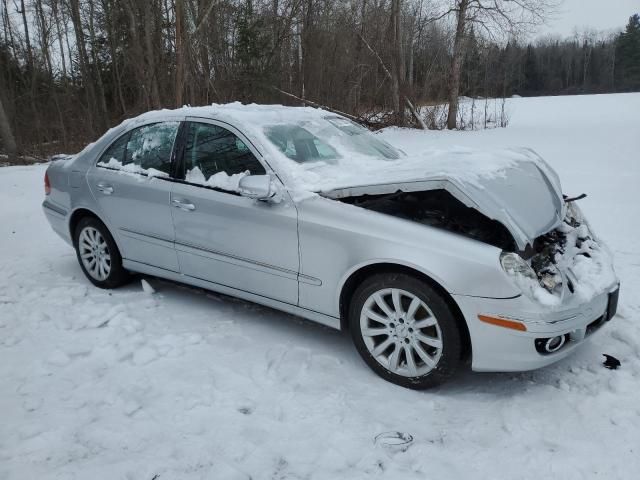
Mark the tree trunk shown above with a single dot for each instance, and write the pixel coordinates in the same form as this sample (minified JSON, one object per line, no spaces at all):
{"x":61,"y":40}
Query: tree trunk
{"x":179,"y":54}
{"x":44,"y":37}
{"x":136,"y":58}
{"x":456,"y":63}
{"x":398,"y":63}
{"x":8,"y":31}
{"x":56,"y":18}
{"x":87,"y":80}
{"x":101,"y":97}
{"x":8,"y":140}
{"x":151,"y":54}
{"x":26,"y":35}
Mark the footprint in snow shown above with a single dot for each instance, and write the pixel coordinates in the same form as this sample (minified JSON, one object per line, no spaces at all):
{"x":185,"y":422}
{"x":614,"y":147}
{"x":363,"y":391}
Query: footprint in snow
{"x":131,"y":407}
{"x":32,"y":404}
{"x":58,"y":358}
{"x":145,"y":355}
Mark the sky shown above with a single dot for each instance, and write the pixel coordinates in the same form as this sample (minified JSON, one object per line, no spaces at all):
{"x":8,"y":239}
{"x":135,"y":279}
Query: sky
{"x":592,"y":14}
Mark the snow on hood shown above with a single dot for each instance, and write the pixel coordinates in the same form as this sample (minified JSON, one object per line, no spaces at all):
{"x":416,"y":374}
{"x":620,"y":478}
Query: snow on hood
{"x":513,"y":186}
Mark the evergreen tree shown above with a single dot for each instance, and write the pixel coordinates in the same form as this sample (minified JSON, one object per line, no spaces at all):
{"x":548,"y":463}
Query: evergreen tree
{"x":531,"y":75}
{"x":628,"y":56}
{"x":251,"y":47}
{"x":471,"y":66}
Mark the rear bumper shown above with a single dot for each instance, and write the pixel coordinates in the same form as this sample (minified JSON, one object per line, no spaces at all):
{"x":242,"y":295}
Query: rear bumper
{"x":57,"y":217}
{"x":498,"y":349}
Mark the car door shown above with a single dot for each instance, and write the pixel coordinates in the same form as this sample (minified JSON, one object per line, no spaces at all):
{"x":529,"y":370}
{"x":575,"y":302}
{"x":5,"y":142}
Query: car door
{"x":221,"y":236}
{"x":130,"y":184}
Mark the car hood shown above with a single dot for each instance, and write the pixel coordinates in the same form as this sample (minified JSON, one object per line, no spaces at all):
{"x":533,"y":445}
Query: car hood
{"x":515,"y":187}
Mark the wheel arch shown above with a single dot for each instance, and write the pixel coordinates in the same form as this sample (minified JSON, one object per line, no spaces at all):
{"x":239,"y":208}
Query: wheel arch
{"x":359,"y":275}
{"x":80,"y":213}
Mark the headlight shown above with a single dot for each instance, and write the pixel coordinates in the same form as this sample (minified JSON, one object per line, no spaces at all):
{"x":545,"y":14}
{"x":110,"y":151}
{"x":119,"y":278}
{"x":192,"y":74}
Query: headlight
{"x":546,"y":289}
{"x":514,"y":265}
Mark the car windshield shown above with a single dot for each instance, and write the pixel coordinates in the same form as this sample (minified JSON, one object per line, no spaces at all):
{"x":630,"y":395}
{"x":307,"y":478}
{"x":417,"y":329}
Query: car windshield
{"x":327,"y":139}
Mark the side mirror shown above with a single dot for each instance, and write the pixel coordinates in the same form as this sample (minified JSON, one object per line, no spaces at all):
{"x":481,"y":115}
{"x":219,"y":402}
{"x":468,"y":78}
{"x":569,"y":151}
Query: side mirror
{"x":256,"y":186}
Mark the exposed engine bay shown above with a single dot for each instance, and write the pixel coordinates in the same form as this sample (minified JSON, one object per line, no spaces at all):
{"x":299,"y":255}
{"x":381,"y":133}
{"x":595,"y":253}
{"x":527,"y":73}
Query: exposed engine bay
{"x":566,"y":259}
{"x":440,"y":209}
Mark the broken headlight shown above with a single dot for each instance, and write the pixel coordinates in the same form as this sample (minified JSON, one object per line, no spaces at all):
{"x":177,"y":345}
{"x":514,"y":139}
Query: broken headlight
{"x":514,"y":265}
{"x":551,"y":280}
{"x":574,"y":214}
{"x":527,"y":279}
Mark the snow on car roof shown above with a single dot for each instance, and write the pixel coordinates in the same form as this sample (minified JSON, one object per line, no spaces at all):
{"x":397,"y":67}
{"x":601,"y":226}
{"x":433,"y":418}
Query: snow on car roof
{"x":352,"y":167}
{"x":238,"y":112}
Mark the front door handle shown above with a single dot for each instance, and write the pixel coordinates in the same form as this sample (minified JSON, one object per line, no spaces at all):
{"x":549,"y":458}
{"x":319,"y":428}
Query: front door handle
{"x":105,"y":188}
{"x":183,"y":204}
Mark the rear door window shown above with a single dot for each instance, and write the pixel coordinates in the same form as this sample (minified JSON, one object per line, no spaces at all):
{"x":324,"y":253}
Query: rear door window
{"x":150,"y":147}
{"x":114,"y":155}
{"x":146,"y":150}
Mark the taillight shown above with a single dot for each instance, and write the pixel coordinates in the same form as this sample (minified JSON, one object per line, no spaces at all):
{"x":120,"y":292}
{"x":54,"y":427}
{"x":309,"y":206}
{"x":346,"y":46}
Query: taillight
{"x":47,"y":185}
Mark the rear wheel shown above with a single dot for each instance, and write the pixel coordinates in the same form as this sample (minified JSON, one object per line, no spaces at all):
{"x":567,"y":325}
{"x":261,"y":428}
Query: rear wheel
{"x":404,"y":330}
{"x":98,"y":254}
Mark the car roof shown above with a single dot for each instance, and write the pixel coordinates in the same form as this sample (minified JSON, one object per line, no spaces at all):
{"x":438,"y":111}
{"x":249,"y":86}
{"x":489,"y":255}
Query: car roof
{"x":235,"y":113}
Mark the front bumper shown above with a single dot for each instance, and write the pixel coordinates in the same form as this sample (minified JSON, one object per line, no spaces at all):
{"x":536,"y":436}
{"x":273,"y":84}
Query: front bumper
{"x":498,"y":349}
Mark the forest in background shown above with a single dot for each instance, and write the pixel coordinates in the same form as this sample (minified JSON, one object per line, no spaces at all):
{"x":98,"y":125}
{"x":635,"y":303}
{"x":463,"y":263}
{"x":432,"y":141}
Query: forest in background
{"x":70,"y":69}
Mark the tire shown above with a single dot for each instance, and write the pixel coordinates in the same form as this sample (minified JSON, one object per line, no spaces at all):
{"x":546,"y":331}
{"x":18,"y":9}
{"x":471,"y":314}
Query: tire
{"x":93,"y":240}
{"x":403,"y":360}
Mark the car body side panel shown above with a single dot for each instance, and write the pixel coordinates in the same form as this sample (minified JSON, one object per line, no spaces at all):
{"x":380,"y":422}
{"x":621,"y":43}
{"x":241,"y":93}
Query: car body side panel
{"x":138,"y":212}
{"x":337,"y":239}
{"x":238,"y":242}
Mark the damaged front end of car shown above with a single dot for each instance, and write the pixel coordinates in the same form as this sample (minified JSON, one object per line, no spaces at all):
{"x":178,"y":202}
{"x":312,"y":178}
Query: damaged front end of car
{"x":566,"y":261}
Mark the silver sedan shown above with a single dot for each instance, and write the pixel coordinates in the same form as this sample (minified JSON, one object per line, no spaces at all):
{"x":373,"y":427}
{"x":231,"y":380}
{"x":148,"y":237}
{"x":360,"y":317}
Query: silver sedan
{"x":430,"y":261}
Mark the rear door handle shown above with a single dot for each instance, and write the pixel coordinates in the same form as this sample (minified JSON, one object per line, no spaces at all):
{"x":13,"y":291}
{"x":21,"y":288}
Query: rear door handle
{"x":183,"y":204}
{"x":105,"y":188}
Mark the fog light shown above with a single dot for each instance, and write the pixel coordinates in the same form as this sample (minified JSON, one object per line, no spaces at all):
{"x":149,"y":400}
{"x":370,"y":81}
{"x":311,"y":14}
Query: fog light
{"x":551,"y":345}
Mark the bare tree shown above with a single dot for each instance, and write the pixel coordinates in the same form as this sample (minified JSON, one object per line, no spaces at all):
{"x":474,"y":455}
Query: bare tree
{"x":8,"y":140}
{"x":398,"y":72}
{"x":70,"y":68}
{"x":494,"y":17}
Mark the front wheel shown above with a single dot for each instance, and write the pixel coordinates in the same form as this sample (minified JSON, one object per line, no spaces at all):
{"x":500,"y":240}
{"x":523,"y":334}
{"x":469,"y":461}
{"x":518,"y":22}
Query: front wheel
{"x":404,"y":330}
{"x":98,"y":254}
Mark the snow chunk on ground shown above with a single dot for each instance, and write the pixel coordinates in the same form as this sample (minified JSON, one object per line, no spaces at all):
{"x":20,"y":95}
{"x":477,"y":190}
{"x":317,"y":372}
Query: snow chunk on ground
{"x":146,"y":287}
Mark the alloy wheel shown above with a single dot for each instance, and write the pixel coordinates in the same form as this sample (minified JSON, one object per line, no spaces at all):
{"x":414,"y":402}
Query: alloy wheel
{"x":401,"y":332}
{"x":94,"y":253}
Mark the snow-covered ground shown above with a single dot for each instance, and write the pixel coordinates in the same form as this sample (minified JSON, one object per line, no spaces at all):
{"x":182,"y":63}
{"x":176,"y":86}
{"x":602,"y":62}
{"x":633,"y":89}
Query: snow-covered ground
{"x":184,"y":384}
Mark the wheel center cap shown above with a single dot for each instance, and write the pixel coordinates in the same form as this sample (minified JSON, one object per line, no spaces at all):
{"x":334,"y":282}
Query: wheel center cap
{"x":402,"y":331}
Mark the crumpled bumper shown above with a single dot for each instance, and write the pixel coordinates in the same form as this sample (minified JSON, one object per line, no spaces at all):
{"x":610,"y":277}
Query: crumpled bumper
{"x":499,"y":349}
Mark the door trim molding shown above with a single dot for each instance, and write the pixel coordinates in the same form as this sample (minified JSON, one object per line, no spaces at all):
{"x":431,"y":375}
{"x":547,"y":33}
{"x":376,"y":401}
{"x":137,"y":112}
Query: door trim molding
{"x":146,"y":237}
{"x":327,"y":320}
{"x":195,"y":249}
{"x":198,"y":250}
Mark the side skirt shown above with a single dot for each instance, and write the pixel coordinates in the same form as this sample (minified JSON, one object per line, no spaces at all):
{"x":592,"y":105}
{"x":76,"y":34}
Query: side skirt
{"x":321,"y":318}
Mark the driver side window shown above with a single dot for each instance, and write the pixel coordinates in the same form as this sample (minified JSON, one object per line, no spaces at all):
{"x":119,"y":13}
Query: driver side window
{"x":211,"y":149}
